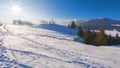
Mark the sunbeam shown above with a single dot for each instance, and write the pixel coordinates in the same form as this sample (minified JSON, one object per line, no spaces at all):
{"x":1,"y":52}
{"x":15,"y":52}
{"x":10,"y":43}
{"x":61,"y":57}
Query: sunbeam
{"x":16,"y":6}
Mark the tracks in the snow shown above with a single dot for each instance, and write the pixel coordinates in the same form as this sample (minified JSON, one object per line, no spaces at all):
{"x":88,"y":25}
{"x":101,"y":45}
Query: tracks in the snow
{"x":73,"y":57}
{"x":5,"y":60}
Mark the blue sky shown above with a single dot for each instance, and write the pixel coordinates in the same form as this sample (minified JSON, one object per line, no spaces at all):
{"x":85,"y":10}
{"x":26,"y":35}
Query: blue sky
{"x":63,"y":9}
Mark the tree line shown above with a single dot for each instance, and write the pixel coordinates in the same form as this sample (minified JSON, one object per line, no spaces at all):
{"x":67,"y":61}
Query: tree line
{"x":20,"y":22}
{"x":95,"y":38}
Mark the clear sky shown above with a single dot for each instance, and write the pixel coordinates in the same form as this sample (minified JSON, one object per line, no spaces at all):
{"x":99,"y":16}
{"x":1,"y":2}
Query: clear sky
{"x":60,"y":9}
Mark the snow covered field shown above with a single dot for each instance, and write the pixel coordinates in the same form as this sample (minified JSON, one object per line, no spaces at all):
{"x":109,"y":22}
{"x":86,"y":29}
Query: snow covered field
{"x":32,"y":47}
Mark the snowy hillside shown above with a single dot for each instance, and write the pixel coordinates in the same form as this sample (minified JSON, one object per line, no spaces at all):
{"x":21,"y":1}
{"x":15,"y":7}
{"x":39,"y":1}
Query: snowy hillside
{"x":59,"y":28}
{"x":33,"y":47}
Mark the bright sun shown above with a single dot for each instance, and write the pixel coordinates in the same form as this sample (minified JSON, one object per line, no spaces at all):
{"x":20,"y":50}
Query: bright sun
{"x":16,"y":7}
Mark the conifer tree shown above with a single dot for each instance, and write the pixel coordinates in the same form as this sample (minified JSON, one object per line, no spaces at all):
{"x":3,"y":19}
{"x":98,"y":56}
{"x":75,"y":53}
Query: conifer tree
{"x":68,"y":25}
{"x":88,"y":36}
{"x":100,"y":38}
{"x":80,"y":31}
{"x":117,"y":39}
{"x":109,"y":39}
{"x":73,"y":25}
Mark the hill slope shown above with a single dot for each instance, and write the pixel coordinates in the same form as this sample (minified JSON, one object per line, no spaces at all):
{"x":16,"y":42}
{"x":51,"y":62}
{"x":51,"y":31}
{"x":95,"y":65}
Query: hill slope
{"x":26,"y":47}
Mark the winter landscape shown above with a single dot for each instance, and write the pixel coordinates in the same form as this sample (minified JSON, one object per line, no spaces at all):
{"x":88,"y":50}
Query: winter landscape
{"x":27,"y":42}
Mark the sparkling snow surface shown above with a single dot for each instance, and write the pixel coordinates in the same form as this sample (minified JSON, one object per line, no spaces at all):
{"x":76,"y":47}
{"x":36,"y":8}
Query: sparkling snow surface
{"x":32,"y":47}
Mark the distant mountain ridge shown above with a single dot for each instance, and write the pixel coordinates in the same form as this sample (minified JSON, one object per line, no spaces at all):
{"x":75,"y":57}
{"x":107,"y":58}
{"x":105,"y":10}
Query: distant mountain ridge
{"x":109,"y":24}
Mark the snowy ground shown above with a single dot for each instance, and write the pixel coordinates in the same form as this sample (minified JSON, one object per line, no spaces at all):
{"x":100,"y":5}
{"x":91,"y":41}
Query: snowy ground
{"x":30,"y":47}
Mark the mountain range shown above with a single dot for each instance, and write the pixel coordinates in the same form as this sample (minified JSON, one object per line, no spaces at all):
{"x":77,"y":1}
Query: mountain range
{"x":109,"y":24}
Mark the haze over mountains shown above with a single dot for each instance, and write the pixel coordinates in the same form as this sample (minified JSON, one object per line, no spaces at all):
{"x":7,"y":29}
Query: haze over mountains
{"x":109,"y":24}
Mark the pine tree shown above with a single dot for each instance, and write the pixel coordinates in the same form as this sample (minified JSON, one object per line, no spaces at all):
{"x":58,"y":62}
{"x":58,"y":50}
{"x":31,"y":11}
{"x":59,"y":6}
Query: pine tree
{"x":117,"y":39}
{"x":88,"y":36}
{"x":73,"y":25}
{"x":93,"y":36}
{"x":100,"y":38}
{"x":80,"y":31}
{"x":110,"y":40}
{"x":68,"y":25}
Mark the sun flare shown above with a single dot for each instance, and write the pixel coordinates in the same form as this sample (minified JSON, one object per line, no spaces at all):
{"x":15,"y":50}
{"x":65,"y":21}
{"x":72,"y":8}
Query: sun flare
{"x":16,"y":7}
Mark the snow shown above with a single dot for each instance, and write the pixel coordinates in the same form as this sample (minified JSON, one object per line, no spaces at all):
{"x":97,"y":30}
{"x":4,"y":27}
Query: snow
{"x":113,"y":33}
{"x":110,"y":32}
{"x":51,"y":46}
